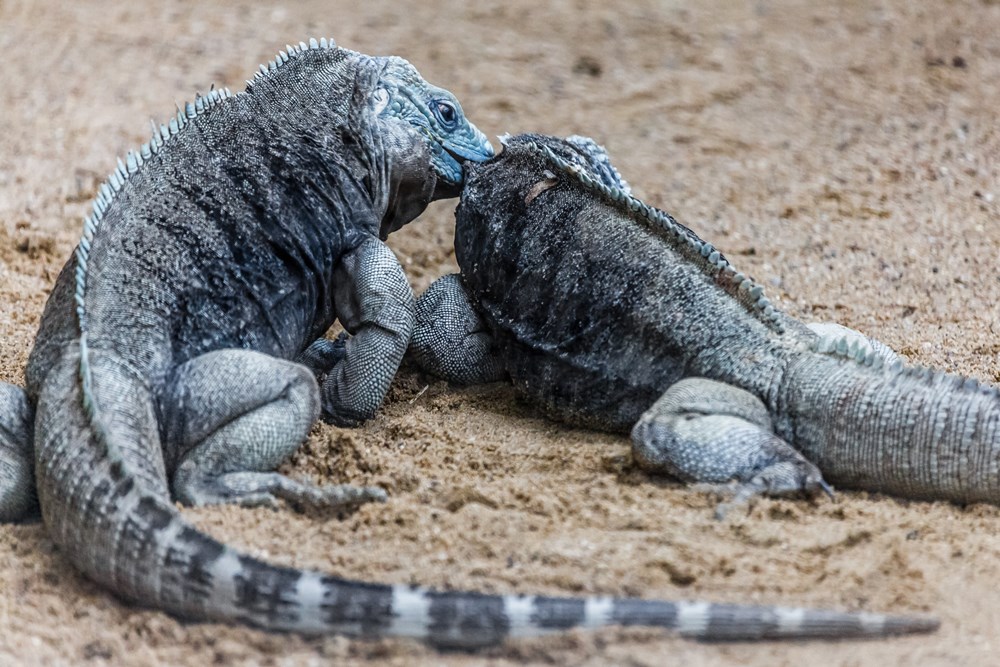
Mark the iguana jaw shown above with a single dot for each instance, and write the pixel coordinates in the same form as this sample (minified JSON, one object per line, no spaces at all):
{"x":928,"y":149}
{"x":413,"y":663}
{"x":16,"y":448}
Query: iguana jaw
{"x":450,"y":152}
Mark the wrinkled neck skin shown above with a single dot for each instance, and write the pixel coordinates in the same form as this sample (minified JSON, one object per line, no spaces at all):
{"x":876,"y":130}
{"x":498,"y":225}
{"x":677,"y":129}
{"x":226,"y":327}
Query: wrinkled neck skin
{"x":404,"y":183}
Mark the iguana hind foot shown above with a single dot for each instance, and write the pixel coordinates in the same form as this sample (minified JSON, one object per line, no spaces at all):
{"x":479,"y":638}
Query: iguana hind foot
{"x":236,"y":416}
{"x":706,"y":431}
{"x":265,"y":489}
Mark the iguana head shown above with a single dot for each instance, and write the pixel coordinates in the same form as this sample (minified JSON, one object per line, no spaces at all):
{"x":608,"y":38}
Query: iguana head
{"x":403,"y":95}
{"x":583,"y":152}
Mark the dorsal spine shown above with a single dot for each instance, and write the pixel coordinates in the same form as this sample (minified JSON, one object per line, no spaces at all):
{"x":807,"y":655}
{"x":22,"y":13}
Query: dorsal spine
{"x":106,"y":193}
{"x":842,"y":347}
{"x":701,"y":253}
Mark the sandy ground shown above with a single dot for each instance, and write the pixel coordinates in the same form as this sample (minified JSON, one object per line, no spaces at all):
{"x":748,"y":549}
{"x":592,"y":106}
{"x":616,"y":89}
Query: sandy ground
{"x":846,"y":157}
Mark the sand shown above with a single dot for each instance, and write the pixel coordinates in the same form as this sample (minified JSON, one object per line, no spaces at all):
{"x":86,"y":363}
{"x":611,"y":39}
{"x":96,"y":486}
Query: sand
{"x":846,"y":157}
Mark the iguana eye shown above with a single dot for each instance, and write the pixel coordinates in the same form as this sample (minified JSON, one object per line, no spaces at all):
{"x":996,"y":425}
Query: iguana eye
{"x":446,"y":113}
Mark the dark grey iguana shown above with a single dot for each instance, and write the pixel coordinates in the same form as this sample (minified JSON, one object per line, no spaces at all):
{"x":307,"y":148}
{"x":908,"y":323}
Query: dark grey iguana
{"x":610,"y":313}
{"x":163,"y":367}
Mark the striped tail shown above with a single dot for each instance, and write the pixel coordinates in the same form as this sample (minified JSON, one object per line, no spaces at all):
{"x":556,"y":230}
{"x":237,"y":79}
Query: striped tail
{"x":112,"y":517}
{"x":191,"y":575}
{"x":449,"y":617}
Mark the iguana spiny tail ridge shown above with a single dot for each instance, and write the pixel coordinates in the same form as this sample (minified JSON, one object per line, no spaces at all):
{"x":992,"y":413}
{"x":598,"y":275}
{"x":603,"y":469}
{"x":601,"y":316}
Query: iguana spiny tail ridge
{"x":908,"y":431}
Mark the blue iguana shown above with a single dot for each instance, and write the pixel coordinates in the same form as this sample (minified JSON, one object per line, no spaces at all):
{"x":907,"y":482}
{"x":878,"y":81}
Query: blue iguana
{"x":609,"y":313}
{"x":165,"y":365}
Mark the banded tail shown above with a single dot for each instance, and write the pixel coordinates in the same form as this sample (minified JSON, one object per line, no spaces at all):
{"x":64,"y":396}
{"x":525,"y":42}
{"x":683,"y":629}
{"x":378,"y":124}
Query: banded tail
{"x":114,"y":520}
{"x":196,"y":577}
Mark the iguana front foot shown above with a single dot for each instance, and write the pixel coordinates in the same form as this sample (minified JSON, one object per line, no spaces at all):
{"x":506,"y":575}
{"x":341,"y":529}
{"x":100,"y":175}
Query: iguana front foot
{"x":706,"y":431}
{"x":323,"y":354}
{"x":450,"y":339}
{"x":17,"y":460}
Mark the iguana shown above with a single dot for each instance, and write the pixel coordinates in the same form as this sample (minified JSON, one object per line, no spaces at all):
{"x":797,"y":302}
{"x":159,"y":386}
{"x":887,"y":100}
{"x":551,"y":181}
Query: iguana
{"x":609,"y":313}
{"x":164,"y":368}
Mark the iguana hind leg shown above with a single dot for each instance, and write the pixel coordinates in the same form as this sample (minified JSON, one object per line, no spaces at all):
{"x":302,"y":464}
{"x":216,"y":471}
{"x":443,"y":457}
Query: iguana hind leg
{"x":17,"y":460}
{"x":705,"y":431}
{"x":450,"y":340}
{"x":234,"y":416}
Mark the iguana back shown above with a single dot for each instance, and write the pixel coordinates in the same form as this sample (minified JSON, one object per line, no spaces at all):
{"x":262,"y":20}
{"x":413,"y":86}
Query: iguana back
{"x":595,"y":314}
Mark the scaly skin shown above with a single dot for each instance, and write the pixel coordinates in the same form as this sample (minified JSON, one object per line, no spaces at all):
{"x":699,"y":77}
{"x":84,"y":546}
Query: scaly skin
{"x":610,"y":314}
{"x":164,"y":364}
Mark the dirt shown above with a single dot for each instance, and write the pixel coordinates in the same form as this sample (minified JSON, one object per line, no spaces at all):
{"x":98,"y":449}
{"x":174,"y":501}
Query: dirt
{"x":846,"y":156}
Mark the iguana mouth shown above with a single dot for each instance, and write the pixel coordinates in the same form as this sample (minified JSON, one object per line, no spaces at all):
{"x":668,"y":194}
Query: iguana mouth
{"x":458,"y":154}
{"x":459,"y":159}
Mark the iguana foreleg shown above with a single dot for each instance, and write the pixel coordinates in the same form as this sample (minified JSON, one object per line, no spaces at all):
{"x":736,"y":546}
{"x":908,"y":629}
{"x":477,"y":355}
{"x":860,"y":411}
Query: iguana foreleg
{"x":17,"y":459}
{"x":375,"y":305}
{"x":451,"y":340}
{"x":234,"y":416}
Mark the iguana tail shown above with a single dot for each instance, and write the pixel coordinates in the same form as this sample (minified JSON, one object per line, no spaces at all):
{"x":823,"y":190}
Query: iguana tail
{"x":111,"y":515}
{"x":910,"y":432}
